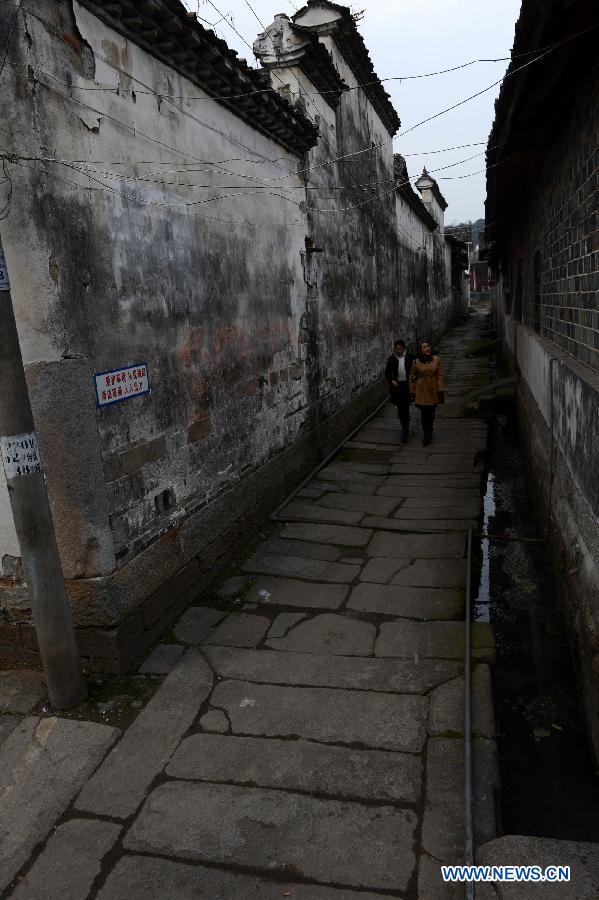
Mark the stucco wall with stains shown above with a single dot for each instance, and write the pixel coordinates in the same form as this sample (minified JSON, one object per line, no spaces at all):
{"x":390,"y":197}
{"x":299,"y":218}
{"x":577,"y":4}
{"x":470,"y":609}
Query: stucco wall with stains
{"x":252,"y":341}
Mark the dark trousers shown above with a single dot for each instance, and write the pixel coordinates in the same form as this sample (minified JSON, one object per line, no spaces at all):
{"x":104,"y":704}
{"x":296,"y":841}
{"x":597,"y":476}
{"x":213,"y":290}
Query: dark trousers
{"x":427,"y":417}
{"x":401,"y":399}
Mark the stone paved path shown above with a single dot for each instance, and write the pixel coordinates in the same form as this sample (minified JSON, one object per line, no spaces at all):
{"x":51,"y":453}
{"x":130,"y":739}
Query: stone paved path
{"x":307,"y":739}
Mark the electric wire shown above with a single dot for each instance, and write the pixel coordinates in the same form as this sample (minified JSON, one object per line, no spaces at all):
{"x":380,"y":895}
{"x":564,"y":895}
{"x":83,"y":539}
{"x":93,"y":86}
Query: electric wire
{"x":328,"y":162}
{"x":377,"y":206}
{"x":363,"y":150}
{"x":84,"y":165}
{"x":276,"y":75}
{"x":137,"y":132}
{"x":151,"y":162}
{"x":400,"y":78}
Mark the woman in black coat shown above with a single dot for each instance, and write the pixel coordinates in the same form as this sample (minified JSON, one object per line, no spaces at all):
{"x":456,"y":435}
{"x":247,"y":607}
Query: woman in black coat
{"x":397,"y":373}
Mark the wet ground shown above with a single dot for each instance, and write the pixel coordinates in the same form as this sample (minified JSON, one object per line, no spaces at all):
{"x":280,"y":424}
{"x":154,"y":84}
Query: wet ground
{"x":549,"y":785}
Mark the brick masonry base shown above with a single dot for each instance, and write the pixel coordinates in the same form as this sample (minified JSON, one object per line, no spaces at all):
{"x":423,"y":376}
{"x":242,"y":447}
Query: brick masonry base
{"x":118,"y":616}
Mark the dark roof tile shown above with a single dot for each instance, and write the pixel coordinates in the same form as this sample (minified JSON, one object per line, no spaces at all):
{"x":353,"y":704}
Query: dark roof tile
{"x":165,"y":29}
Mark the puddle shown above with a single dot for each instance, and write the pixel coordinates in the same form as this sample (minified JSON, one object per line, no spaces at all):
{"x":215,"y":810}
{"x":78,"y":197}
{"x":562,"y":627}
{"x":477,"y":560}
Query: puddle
{"x":549,"y":787}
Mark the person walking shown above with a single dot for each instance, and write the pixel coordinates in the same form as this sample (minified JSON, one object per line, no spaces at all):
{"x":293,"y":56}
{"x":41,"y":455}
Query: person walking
{"x":397,"y":373}
{"x":426,"y":387}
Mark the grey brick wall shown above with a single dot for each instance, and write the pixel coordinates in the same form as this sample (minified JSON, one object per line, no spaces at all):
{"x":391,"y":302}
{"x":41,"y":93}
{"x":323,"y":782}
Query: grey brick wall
{"x":557,"y":237}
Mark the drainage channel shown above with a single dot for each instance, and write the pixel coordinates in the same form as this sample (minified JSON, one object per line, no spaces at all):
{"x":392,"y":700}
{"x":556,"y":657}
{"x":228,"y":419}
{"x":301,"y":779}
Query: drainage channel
{"x":549,"y":787}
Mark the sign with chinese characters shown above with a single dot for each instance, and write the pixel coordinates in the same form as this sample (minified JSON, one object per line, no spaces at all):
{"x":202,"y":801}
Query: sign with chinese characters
{"x":20,"y":455}
{"x":121,"y":384}
{"x":4,"y":282}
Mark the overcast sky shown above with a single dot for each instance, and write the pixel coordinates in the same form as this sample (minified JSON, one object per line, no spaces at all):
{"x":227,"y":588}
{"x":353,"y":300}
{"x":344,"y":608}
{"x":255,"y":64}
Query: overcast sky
{"x":410,"y":37}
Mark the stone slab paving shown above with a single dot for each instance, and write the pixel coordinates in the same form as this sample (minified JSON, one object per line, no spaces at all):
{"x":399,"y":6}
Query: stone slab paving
{"x":449,"y":511}
{"x":279,"y":831}
{"x":464,"y":499}
{"x":334,"y":771}
{"x":430,"y":480}
{"x":336,"y":473}
{"x":328,"y":534}
{"x":437,"y":525}
{"x":215,"y":720}
{"x":300,"y":567}
{"x":439,"y":573}
{"x":431,"y":885}
{"x":446,"y":710}
{"x":431,"y":573}
{"x":434,"y":639}
{"x":8,"y":723}
{"x":376,"y":720}
{"x":232,"y":587}
{"x":446,"y":468}
{"x":443,"y":819}
{"x":300,"y":510}
{"x":377,"y":506}
{"x":43,"y":764}
{"x":521,"y":850}
{"x":387,"y":675}
{"x":150,"y":878}
{"x":283,"y":623}
{"x":308,"y":742}
{"x":70,"y":861}
{"x":121,"y":782}
{"x":294,"y":592}
{"x":304,"y":549}
{"x":407,"y":602}
{"x":427,"y":493}
{"x":196,"y":623}
{"x":328,"y":633}
{"x":240,"y":630}
{"x":416,"y":546}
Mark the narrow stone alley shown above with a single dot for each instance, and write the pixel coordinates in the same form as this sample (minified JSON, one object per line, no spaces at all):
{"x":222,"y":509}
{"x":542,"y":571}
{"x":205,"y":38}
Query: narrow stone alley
{"x":253,"y":642}
{"x":308,"y":738}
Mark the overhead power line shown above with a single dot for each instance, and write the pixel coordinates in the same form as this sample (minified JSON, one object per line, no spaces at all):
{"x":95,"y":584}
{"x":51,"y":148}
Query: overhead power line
{"x":358,"y":86}
{"x":268,"y":181}
{"x":341,"y":157}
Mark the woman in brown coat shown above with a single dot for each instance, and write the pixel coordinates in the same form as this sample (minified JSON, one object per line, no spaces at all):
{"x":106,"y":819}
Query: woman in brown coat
{"x":426,"y":387}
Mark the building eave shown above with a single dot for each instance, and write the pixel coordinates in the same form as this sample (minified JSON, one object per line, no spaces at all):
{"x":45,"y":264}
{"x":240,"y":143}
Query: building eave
{"x":409,"y":195}
{"x":353,"y":49}
{"x":533,"y":105}
{"x":307,"y":53}
{"x":167,"y":31}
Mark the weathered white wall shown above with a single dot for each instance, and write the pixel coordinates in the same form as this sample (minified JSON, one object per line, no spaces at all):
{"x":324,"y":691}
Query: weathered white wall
{"x":250,"y":342}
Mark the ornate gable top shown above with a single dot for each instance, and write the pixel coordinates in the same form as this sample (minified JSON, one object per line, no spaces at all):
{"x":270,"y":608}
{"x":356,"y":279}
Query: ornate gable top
{"x":323,"y":17}
{"x":166,"y":30}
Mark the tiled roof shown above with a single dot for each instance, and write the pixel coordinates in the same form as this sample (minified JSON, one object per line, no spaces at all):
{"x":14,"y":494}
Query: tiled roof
{"x":165,"y":29}
{"x":317,"y":64}
{"x":353,"y":49}
{"x":284,"y":45}
{"x":434,"y":187}
{"x":534,"y":105}
{"x":407,"y":192}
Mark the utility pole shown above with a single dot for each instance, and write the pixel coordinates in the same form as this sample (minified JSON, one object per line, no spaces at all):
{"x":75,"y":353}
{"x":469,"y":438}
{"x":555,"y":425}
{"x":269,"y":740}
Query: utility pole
{"x":33,"y":519}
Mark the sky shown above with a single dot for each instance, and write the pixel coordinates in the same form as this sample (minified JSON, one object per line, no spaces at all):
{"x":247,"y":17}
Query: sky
{"x":412,"y":37}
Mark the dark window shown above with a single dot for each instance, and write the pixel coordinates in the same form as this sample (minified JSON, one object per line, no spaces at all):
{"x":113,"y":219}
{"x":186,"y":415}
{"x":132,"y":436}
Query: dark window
{"x":537,"y":292}
{"x":518,"y":293}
